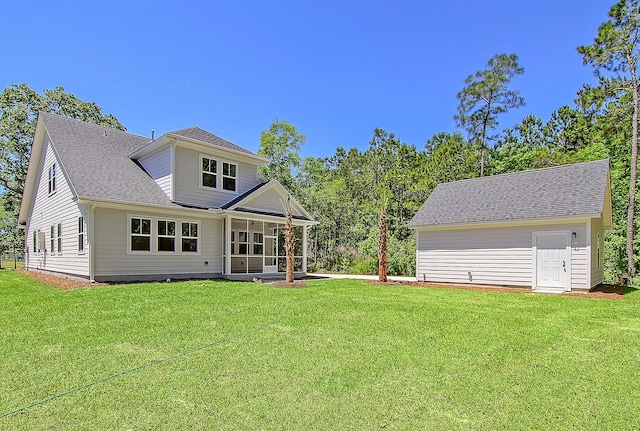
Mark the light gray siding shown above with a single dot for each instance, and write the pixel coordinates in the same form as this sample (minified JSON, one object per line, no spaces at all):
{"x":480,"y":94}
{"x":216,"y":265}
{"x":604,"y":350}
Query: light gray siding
{"x":113,"y":260}
{"x":269,"y":201}
{"x":187,"y":178}
{"x":597,"y":256}
{"x":158,"y":166}
{"x":49,"y":210}
{"x":492,"y":255}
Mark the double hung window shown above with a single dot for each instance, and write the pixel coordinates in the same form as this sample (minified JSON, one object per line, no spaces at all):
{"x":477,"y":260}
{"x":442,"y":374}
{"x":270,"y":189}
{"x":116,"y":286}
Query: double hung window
{"x":52,"y":178}
{"x":217,"y":174}
{"x":189,"y":237}
{"x":209,"y":172}
{"x":166,"y":235}
{"x":140,"y":234}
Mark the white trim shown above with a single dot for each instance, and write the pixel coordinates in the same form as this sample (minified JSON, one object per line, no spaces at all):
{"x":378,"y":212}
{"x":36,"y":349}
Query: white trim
{"x":218,"y":174}
{"x":134,"y":206}
{"x":153,"y":242}
{"x":149,"y":148}
{"x":498,"y":223}
{"x":268,"y":218}
{"x":158,"y":236}
{"x":568,"y":256}
{"x":227,"y":225}
{"x":172,"y":168}
{"x":90,"y":242}
{"x":84,"y":235}
{"x":589,"y":256}
{"x":51,"y":183}
{"x":129,"y":233}
{"x":305,"y":232}
{"x":198,"y":237}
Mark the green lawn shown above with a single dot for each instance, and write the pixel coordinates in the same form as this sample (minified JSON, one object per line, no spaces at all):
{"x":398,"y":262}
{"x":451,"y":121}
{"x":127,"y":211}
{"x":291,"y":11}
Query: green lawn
{"x":340,"y":354}
{"x":9,"y":264}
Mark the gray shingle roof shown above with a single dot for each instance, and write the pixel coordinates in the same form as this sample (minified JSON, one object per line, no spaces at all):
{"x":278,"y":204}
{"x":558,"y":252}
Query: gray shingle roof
{"x":203,"y":136}
{"x":243,"y":196}
{"x":561,"y":191}
{"x":97,"y":163}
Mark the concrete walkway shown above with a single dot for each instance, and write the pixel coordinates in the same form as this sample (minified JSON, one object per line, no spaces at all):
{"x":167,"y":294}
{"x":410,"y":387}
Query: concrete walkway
{"x":360,"y":277}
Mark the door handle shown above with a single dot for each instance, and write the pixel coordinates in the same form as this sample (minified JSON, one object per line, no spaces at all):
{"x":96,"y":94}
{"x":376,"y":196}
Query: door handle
{"x":564,"y":266}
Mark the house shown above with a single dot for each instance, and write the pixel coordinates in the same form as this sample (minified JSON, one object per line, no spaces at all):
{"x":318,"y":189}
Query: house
{"x":541,"y":228}
{"x":107,"y":205}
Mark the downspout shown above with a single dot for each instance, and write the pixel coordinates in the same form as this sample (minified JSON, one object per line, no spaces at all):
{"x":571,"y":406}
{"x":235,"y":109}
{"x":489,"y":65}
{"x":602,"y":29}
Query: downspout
{"x":172,"y":168}
{"x":90,"y":242}
{"x":304,"y":248}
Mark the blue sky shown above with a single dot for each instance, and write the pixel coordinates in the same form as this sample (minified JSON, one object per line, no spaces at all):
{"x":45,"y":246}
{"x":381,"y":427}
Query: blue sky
{"x":334,"y":69}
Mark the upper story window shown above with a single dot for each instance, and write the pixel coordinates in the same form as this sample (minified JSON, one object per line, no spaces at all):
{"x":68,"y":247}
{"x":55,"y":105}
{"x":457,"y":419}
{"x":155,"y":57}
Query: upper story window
{"x":52,"y":178}
{"x":209,"y":172}
{"x":217,"y":174}
{"x":229,"y":173}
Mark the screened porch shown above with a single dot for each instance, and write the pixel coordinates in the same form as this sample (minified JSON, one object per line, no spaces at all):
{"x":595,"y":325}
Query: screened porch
{"x":257,"y":247}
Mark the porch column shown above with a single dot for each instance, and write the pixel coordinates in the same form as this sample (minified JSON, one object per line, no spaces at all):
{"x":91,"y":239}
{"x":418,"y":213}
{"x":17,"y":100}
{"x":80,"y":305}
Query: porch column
{"x":227,"y":246}
{"x":304,"y":248}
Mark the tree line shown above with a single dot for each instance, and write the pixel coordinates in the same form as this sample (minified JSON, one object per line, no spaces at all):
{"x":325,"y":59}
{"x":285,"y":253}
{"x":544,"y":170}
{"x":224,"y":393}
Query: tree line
{"x":347,"y":190}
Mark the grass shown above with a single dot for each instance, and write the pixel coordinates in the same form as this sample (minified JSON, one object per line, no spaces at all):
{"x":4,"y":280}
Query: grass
{"x":9,"y":264}
{"x":341,"y":354}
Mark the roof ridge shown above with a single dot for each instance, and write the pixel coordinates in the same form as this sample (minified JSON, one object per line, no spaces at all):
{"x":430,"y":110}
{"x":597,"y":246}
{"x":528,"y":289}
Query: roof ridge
{"x":526,"y":171}
{"x":87,"y":123}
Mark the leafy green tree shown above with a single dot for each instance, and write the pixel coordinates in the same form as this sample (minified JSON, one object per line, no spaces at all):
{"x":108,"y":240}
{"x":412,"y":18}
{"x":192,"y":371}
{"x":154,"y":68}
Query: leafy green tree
{"x":281,"y":144}
{"x":614,"y":55}
{"x":485,"y":96}
{"x":382,"y":242}
{"x":448,"y":158}
{"x":19,"y":108}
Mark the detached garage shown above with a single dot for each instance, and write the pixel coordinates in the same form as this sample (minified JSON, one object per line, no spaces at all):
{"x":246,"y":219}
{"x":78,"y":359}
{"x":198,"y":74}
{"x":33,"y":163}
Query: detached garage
{"x":541,"y":228}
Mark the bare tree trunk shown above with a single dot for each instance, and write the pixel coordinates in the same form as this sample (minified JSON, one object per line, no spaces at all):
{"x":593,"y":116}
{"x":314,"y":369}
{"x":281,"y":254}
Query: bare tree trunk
{"x":382,"y":245}
{"x":631,"y":268}
{"x":289,"y":241}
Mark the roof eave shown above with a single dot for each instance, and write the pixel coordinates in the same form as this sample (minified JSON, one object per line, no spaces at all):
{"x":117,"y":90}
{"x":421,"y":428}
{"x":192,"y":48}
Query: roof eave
{"x":248,"y":215}
{"x":149,"y":148}
{"x":488,"y":223}
{"x":119,"y":204}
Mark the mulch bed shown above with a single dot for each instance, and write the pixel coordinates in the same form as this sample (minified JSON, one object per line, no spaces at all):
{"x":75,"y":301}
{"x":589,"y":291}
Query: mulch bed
{"x":59,"y":282}
{"x":607,"y":291}
{"x":294,"y":285}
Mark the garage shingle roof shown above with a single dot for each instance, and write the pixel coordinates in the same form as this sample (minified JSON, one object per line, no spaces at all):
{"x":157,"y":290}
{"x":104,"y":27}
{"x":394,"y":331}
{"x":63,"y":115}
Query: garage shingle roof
{"x":561,"y":191}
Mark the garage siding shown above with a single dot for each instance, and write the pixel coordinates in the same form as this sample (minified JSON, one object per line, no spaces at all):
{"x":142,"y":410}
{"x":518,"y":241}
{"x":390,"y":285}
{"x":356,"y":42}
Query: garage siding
{"x":491,"y":255}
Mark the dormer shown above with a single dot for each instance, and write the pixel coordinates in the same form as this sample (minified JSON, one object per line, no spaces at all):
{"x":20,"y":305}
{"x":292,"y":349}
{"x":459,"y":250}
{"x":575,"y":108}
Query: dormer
{"x":197,"y":168}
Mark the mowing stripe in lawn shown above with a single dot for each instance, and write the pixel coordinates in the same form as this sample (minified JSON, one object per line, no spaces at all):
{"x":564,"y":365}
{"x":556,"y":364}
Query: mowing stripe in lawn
{"x":148,"y":364}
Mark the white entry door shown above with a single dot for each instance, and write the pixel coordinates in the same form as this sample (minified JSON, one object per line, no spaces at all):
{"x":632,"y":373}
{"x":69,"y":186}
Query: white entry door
{"x":552,"y":261}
